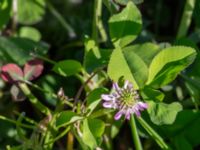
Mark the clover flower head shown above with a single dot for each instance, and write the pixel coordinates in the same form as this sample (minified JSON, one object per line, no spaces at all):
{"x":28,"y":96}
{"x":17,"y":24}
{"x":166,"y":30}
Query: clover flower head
{"x":126,"y":100}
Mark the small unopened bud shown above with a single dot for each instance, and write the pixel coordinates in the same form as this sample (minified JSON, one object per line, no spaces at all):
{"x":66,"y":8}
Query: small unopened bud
{"x":44,"y":123}
{"x":61,"y":94}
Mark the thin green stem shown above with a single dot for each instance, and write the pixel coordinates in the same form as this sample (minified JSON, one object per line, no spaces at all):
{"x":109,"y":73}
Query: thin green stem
{"x":153,"y":134}
{"x":186,"y":18}
{"x":19,"y":131}
{"x":108,"y":142}
{"x":43,"y":58}
{"x":29,"y":120}
{"x":15,"y":122}
{"x":59,"y":136}
{"x":48,"y":92}
{"x":94,"y":25}
{"x":97,"y":22}
{"x":110,"y":6}
{"x":33,"y":99}
{"x":60,"y":18}
{"x":135,"y":135}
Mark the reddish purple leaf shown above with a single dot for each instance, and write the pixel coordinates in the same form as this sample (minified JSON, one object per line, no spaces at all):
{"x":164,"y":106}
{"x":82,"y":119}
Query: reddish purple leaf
{"x":11,"y":73}
{"x":33,"y":69}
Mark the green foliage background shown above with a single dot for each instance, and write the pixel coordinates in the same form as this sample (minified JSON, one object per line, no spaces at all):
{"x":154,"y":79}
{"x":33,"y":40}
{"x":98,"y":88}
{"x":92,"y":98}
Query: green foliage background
{"x":158,"y":38}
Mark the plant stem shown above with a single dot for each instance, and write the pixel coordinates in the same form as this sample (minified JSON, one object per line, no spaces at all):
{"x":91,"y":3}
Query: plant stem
{"x":33,"y":99}
{"x":43,"y":58}
{"x":135,"y":135}
{"x":186,"y":18}
{"x":59,"y":136}
{"x":48,"y":92}
{"x":29,"y":120}
{"x":97,"y":22}
{"x":70,"y":141}
{"x":15,"y":122}
{"x":153,"y":134}
{"x":14,"y":18}
{"x":78,"y":94}
{"x":108,"y":141}
{"x":60,"y":18}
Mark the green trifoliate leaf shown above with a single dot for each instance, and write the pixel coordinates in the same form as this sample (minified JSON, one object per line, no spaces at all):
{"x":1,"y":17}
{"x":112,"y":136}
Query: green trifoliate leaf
{"x":161,"y":113}
{"x":125,"y":26}
{"x":168,"y":63}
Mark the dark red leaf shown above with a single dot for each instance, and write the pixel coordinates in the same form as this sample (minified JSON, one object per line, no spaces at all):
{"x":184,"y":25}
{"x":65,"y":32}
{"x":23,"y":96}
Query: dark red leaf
{"x":11,"y":73}
{"x":33,"y":69}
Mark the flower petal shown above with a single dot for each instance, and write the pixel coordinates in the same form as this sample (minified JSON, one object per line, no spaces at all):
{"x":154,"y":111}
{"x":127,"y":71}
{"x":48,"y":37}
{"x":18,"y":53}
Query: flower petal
{"x":118,"y":115}
{"x":128,"y":115}
{"x":137,"y":112}
{"x":107,"y":105}
{"x":142,"y":106}
{"x":107,"y":97}
{"x":116,"y":87}
{"x":126,"y":84}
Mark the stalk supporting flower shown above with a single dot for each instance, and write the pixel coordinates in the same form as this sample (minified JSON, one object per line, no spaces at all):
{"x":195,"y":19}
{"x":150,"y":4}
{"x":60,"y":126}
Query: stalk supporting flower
{"x":126,"y":100}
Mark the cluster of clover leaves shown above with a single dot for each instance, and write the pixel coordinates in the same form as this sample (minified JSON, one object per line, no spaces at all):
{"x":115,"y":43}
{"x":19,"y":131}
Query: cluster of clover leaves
{"x":137,"y":71}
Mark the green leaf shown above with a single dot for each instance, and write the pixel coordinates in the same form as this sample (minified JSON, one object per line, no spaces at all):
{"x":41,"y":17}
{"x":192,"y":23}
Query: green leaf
{"x":146,"y":51}
{"x":97,"y":127}
{"x":30,"y":11}
{"x":94,"y":98}
{"x":168,"y":63}
{"x":115,"y":128}
{"x":93,"y":61}
{"x":152,"y":94}
{"x":125,"y":2}
{"x":128,"y":64}
{"x":181,"y":143}
{"x":161,"y":113}
{"x":5,"y":11}
{"x":187,"y":124}
{"x":125,"y":26}
{"x":30,"y":33}
{"x":67,"y":67}
{"x":66,"y":118}
{"x":88,"y":137}
{"x":18,"y":50}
